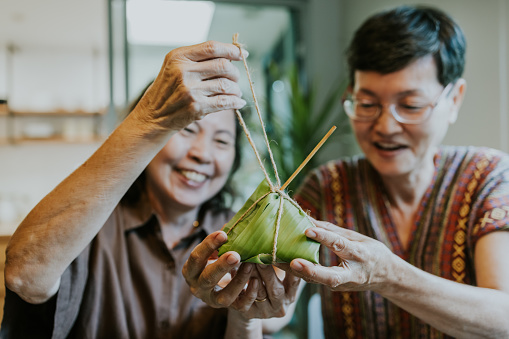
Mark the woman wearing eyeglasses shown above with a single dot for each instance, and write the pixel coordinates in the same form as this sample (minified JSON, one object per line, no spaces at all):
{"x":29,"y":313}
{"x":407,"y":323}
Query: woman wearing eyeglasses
{"x":414,"y":233}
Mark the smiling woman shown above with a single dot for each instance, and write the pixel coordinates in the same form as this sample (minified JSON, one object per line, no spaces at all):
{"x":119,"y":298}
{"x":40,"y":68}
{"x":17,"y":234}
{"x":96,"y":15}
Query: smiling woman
{"x":90,"y":271}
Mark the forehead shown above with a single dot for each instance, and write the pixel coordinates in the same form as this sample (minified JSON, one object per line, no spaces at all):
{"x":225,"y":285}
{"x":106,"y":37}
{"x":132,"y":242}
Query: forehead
{"x":222,"y":120}
{"x":419,"y":75}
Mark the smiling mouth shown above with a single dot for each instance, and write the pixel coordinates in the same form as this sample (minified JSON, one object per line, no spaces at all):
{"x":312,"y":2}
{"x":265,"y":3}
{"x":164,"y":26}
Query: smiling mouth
{"x":193,"y":176}
{"x":386,"y":146}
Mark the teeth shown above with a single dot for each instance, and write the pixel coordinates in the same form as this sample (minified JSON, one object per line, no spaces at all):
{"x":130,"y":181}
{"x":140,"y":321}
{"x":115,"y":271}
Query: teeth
{"x":193,"y":176}
{"x":388,"y":145}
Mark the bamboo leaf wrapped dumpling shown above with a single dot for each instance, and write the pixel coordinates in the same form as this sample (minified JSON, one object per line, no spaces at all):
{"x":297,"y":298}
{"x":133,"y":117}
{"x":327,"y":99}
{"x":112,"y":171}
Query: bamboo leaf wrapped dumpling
{"x":252,"y":231}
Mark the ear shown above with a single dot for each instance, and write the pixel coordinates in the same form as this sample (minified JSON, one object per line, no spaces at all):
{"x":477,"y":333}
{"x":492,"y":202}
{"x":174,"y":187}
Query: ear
{"x":456,"y":96}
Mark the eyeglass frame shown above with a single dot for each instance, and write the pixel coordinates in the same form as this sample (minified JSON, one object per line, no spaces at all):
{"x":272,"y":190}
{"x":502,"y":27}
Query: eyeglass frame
{"x":393,"y":111}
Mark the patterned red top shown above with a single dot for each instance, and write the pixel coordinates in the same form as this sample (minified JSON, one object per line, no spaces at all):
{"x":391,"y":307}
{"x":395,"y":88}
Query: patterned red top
{"x":468,"y":198}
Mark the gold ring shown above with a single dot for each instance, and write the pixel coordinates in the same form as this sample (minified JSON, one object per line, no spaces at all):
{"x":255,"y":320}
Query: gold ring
{"x":260,"y":300}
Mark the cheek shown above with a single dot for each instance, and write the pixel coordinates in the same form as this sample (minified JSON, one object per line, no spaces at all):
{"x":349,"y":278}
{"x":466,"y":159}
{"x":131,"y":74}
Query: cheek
{"x":224,"y":163}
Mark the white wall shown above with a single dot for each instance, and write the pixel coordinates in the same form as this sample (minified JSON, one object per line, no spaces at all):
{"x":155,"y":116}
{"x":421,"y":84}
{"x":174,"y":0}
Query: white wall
{"x":52,"y":78}
{"x":483,"y":120}
{"x":30,"y":171}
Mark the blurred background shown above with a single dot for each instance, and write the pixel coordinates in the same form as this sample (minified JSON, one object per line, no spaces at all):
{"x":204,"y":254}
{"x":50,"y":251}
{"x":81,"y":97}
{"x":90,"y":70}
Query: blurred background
{"x":69,"y":69}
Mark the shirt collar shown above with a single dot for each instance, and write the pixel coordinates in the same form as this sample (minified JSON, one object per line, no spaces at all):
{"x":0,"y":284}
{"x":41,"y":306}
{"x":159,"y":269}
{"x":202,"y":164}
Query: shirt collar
{"x":211,"y":222}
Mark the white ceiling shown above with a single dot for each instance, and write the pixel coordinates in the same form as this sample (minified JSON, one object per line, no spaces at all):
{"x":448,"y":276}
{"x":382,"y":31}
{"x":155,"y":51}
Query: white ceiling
{"x":83,"y":24}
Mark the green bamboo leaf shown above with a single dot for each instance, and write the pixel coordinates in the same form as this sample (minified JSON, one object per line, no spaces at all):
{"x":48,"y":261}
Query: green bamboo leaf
{"x":253,"y":236}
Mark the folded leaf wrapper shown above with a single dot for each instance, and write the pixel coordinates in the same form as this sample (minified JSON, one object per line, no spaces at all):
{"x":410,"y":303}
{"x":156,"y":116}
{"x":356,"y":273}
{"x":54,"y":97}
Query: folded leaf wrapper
{"x":253,"y":235}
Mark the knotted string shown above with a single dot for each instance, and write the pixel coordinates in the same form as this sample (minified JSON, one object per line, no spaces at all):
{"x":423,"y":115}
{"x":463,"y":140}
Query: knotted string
{"x":273,"y":189}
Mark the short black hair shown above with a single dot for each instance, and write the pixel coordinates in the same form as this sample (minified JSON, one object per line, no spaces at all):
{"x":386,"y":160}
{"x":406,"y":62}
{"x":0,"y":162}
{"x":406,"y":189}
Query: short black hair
{"x":391,"y":40}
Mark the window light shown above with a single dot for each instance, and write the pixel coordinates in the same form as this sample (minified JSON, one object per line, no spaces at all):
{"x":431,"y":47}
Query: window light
{"x":168,"y":23}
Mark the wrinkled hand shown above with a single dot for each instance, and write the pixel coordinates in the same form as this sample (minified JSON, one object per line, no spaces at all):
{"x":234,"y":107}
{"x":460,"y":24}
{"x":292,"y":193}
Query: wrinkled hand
{"x":364,"y":261}
{"x":193,"y":81}
{"x":265,"y":296}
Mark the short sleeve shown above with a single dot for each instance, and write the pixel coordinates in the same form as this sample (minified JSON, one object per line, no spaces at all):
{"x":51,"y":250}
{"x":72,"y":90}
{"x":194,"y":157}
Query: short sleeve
{"x":70,"y":295}
{"x":493,"y":211}
{"x":52,"y":319}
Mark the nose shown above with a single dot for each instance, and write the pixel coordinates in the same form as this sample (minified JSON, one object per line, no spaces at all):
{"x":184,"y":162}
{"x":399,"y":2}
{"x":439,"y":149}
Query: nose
{"x":386,"y":123}
{"x":201,"y":150}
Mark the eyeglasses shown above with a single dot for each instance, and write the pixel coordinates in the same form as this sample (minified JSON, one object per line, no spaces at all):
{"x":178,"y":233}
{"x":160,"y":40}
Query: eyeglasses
{"x":369,"y":110}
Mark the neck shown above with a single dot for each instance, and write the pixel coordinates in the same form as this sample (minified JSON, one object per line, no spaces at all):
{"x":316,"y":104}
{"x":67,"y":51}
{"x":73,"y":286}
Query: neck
{"x":176,"y":222}
{"x":408,"y":189}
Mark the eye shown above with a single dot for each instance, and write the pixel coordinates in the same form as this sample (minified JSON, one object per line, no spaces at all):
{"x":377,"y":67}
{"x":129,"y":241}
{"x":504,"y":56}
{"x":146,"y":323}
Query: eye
{"x":412,"y":106}
{"x":363,"y":104}
{"x":189,"y":130}
{"x":223,"y":142}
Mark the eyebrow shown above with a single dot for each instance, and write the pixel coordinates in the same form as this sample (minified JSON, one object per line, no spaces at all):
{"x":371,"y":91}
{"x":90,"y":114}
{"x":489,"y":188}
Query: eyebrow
{"x":224,"y":131}
{"x":400,"y":94}
{"x":219,"y":131}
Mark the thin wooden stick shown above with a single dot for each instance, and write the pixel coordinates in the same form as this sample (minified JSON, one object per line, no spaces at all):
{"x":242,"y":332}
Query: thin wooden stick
{"x":317,"y":147}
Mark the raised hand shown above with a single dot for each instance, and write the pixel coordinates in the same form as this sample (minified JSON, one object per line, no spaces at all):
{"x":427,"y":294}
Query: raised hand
{"x":193,"y":81}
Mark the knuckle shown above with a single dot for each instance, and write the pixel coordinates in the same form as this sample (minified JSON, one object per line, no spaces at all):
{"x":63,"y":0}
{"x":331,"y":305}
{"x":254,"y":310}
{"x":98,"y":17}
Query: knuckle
{"x":210,"y":47}
{"x":194,"y":258}
{"x":195,"y":108}
{"x":222,"y":101}
{"x":195,"y":291}
{"x":335,"y":282}
{"x":279,"y":292}
{"x":223,"y":66}
{"x":205,"y":280}
{"x":338,"y":245}
{"x":224,"y":86}
{"x":222,"y":301}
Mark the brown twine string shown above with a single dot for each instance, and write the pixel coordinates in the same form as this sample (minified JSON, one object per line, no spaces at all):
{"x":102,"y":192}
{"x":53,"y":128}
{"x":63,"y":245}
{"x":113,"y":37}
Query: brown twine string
{"x":248,"y":135}
{"x":273,"y":189}
{"x":235,"y":42}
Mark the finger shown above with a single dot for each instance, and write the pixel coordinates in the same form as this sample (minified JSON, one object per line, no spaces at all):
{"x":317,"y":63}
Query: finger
{"x":222,"y":103}
{"x":227,"y":295}
{"x":274,"y":286}
{"x":201,"y":253}
{"x":262,"y":292}
{"x":349,"y":234}
{"x":245,"y":300}
{"x":330,"y":276}
{"x":291,"y":284}
{"x":216,"y":68}
{"x":214,"y":49}
{"x":213,"y":273}
{"x":220,"y":86}
{"x":335,"y":242}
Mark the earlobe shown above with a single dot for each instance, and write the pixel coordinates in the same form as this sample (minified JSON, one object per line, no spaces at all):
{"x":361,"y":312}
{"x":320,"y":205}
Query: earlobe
{"x":458,"y":92}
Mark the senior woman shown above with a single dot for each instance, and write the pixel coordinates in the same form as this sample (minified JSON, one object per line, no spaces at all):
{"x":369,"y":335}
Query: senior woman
{"x":414,"y":233}
{"x":421,"y":247}
{"x":101,"y":255}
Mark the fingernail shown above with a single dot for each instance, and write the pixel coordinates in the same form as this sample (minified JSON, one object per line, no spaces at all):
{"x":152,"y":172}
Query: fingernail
{"x":248,"y":268}
{"x":255,"y":283}
{"x":232,"y":259}
{"x":310,"y":233}
{"x":245,"y":53}
{"x":297,"y":266}
{"x":221,"y":237}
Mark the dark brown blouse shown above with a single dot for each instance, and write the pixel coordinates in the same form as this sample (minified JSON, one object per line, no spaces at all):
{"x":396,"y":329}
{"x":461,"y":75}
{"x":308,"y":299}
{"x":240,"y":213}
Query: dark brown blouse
{"x":126,"y":284}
